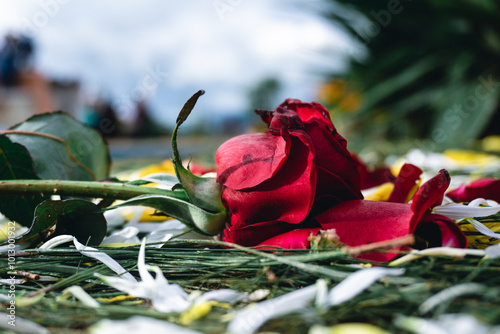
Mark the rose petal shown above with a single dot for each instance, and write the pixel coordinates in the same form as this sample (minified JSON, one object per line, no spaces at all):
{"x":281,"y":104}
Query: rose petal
{"x":404,"y":183}
{"x":429,"y":195}
{"x":310,"y":112}
{"x":332,"y":156}
{"x":254,"y":234}
{"x":441,"y":231}
{"x":287,"y":197}
{"x":370,"y":178}
{"x":361,"y":222}
{"x":295,"y":239}
{"x":488,"y":188}
{"x":248,"y":160}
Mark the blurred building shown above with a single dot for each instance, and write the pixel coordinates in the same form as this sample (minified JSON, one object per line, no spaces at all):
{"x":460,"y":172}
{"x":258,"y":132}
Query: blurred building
{"x":24,"y":91}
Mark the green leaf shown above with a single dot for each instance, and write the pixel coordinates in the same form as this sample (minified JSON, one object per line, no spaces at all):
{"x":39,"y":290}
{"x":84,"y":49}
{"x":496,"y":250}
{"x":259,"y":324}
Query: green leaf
{"x":204,"y":192}
{"x":63,"y":148}
{"x":38,"y":231}
{"x":79,"y":218}
{"x":200,"y":220}
{"x":82,"y":219}
{"x":16,"y":163}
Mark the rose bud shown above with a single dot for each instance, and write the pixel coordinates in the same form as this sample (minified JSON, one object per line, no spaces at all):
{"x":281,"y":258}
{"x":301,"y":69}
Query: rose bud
{"x":273,"y":181}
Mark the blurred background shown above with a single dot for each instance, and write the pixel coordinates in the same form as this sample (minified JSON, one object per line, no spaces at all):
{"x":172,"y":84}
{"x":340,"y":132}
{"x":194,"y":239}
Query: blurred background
{"x":394,"y":74}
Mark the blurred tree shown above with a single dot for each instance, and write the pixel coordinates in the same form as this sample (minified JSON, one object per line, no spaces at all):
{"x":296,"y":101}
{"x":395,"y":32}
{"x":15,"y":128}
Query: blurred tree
{"x":263,"y":94}
{"x":432,"y":70}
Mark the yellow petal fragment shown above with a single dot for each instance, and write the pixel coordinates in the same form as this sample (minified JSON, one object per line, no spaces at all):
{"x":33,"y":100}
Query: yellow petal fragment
{"x":349,"y":328}
{"x":381,"y":193}
{"x":467,"y":157}
{"x":196,"y":311}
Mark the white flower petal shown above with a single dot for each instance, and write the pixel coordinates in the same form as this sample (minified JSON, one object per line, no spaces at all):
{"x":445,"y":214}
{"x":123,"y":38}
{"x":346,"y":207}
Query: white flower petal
{"x":128,"y":234}
{"x":443,"y":251}
{"x":159,"y":236}
{"x":450,"y":294}
{"x":170,"y":298}
{"x":223,"y":295}
{"x":147,"y":227}
{"x":250,"y":318}
{"x":420,"y":325}
{"x":21,"y":325}
{"x":115,"y":217}
{"x":483,"y":229}
{"x":165,"y":180}
{"x":493,"y":252}
{"x":258,"y":295}
{"x":80,"y":294}
{"x":15,"y":281}
{"x":104,"y":258}
{"x":355,"y":283}
{"x":17,"y":248}
{"x":138,"y":324}
{"x":134,"y":289}
{"x":165,"y":297}
{"x":56,"y":241}
{"x":321,"y":293}
{"x":146,"y":277}
{"x":459,"y":211}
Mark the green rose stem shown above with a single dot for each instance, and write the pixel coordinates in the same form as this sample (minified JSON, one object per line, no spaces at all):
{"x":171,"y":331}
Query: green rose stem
{"x":82,"y":188}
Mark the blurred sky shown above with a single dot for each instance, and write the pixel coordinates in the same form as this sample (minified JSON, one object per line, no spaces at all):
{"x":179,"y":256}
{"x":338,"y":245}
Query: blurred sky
{"x":165,"y":50}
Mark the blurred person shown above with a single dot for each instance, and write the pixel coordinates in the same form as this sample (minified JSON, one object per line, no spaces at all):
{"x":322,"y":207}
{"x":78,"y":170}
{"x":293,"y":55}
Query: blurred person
{"x":144,"y":125}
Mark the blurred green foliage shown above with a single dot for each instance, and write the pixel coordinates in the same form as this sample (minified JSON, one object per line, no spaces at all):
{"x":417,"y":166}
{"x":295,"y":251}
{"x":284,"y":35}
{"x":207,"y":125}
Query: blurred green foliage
{"x":424,"y":69}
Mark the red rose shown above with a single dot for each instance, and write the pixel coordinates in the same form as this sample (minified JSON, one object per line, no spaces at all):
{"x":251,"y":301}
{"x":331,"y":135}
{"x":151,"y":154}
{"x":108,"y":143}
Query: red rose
{"x":273,"y":181}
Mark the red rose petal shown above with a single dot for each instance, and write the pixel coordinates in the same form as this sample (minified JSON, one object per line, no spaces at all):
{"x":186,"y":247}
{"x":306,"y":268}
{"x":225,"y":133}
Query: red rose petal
{"x":487,"y":188}
{"x":450,"y":234}
{"x":248,"y":160}
{"x":252,"y":235}
{"x":334,"y":158}
{"x":309,"y":112}
{"x":372,"y":178}
{"x":405,"y":181}
{"x":361,"y":222}
{"x":429,"y":195}
{"x":295,"y":239}
{"x":288,"y":196}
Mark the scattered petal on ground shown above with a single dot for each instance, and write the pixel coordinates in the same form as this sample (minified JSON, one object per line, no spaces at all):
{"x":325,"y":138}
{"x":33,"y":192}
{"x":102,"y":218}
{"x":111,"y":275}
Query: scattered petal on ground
{"x":138,"y":324}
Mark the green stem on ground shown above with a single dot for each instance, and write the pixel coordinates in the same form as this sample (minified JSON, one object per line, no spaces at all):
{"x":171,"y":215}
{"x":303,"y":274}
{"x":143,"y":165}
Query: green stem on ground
{"x":91,"y":189}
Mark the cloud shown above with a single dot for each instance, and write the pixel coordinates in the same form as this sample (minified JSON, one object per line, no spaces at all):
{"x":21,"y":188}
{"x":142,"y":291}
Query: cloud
{"x":113,"y":45}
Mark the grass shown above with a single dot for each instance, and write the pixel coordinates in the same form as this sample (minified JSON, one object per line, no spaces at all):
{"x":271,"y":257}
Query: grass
{"x":198,"y":265}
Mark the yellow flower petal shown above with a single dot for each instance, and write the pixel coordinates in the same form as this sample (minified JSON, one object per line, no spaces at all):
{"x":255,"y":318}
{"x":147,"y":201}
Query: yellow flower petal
{"x":166,"y":166}
{"x":491,"y":144}
{"x":115,"y":299}
{"x":466,"y":157}
{"x":195,"y":312}
{"x":349,"y":328}
{"x":381,"y":193}
{"x":476,"y":239}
